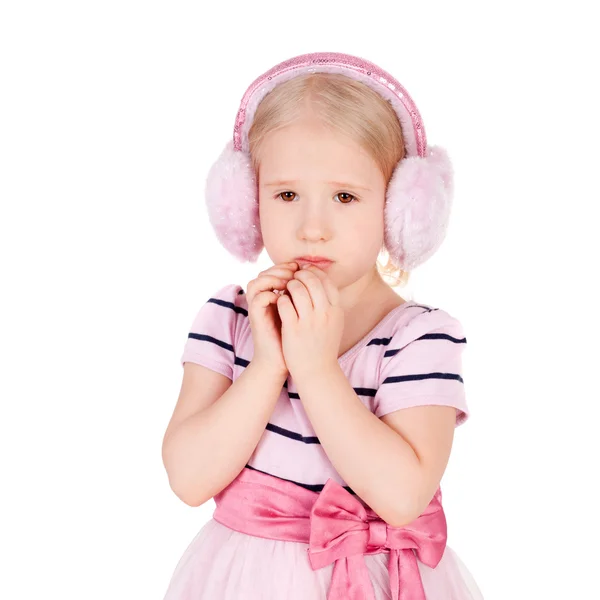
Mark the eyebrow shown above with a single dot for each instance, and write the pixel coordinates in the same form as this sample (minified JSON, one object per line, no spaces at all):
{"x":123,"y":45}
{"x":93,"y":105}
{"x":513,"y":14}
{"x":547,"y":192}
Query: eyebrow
{"x":336,"y":183}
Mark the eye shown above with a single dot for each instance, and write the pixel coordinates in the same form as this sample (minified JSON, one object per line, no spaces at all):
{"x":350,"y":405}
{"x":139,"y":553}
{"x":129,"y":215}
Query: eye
{"x":347,"y":196}
{"x":287,"y":197}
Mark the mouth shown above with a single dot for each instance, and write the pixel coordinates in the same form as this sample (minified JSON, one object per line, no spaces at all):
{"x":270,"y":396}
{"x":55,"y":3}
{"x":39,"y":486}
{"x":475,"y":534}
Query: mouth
{"x":318,"y":261}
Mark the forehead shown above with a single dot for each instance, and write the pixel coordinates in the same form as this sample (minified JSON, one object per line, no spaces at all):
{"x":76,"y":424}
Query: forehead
{"x":309,"y":149}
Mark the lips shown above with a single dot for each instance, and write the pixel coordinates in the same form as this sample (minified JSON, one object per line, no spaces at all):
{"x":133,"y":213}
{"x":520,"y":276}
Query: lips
{"x":318,"y":261}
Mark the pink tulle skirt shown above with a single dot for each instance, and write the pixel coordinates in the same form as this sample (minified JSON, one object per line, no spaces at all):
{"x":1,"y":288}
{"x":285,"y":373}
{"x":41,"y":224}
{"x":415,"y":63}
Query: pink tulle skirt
{"x":223,"y":564}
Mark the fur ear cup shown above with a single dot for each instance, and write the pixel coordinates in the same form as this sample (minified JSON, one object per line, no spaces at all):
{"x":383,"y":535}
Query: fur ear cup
{"x":417,"y":209}
{"x":231,"y":197}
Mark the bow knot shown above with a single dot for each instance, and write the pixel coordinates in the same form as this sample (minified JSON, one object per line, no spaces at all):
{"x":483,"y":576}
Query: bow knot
{"x":377,"y":534}
{"x":342,"y":532}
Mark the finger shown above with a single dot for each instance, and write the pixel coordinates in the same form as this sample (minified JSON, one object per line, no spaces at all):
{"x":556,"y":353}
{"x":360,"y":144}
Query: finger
{"x":266,"y":279}
{"x":279,"y":271}
{"x":264,"y":283}
{"x":316,"y":288}
{"x":284,"y":266}
{"x":331,"y":290}
{"x":263,"y":299}
{"x":286,"y":310}
{"x":301,"y":298}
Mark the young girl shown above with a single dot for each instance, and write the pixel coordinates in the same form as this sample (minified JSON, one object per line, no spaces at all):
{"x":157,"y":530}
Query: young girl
{"x":318,"y":407}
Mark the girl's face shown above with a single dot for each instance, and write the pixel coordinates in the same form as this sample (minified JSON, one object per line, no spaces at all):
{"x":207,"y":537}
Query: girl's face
{"x":321,"y":194}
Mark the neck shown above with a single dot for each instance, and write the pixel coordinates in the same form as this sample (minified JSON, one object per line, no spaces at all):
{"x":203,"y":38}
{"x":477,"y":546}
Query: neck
{"x":363,"y":291}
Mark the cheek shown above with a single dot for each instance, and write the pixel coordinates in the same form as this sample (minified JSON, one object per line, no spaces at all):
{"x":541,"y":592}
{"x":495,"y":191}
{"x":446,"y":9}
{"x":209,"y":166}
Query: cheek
{"x":364,"y":239}
{"x":274,"y":231}
{"x":368,"y":227}
{"x":271,"y":222}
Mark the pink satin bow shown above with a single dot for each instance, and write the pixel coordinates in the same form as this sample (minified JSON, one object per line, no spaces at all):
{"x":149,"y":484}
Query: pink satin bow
{"x":341,"y":531}
{"x":337,"y":528}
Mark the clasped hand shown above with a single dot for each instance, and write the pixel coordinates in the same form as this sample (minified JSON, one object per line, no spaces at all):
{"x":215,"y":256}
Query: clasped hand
{"x":312,"y":322}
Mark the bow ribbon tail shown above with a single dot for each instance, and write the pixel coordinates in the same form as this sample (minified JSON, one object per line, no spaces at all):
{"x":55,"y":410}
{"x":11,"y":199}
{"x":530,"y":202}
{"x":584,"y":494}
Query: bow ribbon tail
{"x":347,"y":587}
{"x":405,"y":577}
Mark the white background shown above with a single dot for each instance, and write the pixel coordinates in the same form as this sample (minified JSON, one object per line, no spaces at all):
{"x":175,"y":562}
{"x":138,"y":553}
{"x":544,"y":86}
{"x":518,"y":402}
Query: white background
{"x":111,"y":115}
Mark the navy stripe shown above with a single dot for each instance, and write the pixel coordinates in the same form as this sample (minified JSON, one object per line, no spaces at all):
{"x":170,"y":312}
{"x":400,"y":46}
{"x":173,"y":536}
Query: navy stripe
{"x":360,"y":391}
{"x":231,"y":305}
{"x":428,"y":336}
{"x":379,"y":341}
{"x":420,"y":376}
{"x":307,"y":486}
{"x":292,"y":434}
{"x":365,"y":391}
{"x":425,"y":307}
{"x":242,"y":362}
{"x":209,"y":338}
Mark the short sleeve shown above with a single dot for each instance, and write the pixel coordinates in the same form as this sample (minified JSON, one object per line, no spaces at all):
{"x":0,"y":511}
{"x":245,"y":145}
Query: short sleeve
{"x":211,"y":339}
{"x":426,"y":369}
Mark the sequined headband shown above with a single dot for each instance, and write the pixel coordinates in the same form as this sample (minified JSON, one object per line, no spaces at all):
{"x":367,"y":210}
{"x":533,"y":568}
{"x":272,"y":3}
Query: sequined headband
{"x":334,"y":62}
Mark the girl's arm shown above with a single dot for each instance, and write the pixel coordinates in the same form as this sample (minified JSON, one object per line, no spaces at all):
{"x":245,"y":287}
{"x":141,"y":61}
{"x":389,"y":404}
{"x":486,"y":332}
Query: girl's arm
{"x":208,"y":449}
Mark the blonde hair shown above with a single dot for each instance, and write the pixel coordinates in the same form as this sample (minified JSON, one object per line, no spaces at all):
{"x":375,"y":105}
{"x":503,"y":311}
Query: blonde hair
{"x":347,"y":107}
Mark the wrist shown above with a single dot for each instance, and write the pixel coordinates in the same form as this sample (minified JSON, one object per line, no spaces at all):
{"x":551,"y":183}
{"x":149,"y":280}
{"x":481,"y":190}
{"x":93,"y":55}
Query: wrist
{"x":268,"y":366}
{"x":316,"y":371}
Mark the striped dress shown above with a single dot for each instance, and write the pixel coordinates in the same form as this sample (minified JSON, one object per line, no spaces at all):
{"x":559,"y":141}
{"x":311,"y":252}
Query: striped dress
{"x":412,"y":357}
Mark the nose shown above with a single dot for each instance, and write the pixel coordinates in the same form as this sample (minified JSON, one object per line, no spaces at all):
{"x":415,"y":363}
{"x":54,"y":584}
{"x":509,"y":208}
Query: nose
{"x":314,"y":223}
